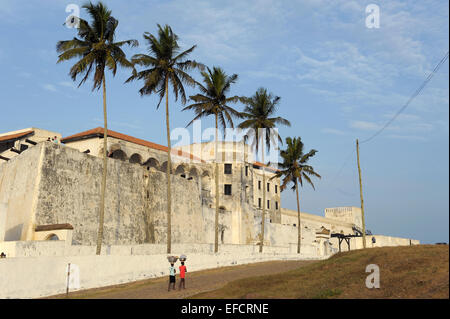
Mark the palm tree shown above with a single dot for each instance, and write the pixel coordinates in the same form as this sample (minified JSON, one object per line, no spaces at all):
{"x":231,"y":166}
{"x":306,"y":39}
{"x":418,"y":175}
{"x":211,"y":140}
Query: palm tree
{"x":95,"y":48}
{"x":259,"y":119}
{"x":213,"y":100}
{"x":295,"y":169}
{"x":166,"y":65}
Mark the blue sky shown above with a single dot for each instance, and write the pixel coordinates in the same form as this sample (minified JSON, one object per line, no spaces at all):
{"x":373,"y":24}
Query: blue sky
{"x":337,"y":79}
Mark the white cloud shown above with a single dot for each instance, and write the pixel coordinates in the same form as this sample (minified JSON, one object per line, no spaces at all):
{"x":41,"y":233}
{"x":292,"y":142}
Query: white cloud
{"x":49,"y":87}
{"x":364,"y":125}
{"x":68,"y":84}
{"x":223,"y":33}
{"x":119,"y":124}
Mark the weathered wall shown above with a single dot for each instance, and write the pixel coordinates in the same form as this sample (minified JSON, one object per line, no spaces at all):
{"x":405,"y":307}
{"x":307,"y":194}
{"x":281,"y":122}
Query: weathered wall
{"x":349,"y":214}
{"x":18,"y":179}
{"x":69,"y":192}
{"x":135,"y":203}
{"x":190,"y":219}
{"x":315,"y":222}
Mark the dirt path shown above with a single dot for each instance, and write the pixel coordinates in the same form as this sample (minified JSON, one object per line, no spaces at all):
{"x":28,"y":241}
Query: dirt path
{"x":196,"y":282}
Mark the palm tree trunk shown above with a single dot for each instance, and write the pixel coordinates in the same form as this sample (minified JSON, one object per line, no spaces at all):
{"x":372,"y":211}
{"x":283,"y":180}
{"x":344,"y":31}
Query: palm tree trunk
{"x":216,"y":222}
{"x":263,"y":219}
{"x":169,"y":169}
{"x":299,"y":243}
{"x":103,"y":186}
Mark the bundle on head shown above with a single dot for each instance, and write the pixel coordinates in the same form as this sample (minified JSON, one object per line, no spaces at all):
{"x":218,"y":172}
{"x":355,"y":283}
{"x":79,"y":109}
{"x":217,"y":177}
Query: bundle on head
{"x":172,"y":259}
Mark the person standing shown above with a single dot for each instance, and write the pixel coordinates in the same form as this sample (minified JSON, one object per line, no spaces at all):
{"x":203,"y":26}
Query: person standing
{"x":183,"y":271}
{"x":172,"y":272}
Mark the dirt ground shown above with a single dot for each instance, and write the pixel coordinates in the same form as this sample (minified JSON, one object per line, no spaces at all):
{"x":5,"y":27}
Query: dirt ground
{"x":196,"y":282}
{"x":418,"y":272}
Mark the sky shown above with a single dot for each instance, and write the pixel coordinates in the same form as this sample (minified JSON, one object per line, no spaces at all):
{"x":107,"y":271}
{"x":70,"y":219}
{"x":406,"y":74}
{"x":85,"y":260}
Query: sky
{"x":338,"y":81}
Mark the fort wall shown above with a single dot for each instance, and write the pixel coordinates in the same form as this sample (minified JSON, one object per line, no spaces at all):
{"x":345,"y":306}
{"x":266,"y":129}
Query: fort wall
{"x":19,"y":178}
{"x":32,"y":277}
{"x":55,"y":184}
{"x":135,"y":203}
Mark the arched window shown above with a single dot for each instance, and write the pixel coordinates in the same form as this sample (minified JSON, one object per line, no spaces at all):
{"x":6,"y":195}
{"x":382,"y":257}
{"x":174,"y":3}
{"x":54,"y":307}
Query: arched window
{"x":52,"y":237}
{"x":193,"y":173}
{"x":163,"y":167}
{"x":118,"y":154}
{"x":135,"y":159}
{"x":152,"y":162}
{"x":180,"y":171}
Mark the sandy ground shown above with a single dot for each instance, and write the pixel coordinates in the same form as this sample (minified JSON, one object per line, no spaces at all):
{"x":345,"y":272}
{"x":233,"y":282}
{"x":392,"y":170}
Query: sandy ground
{"x":196,"y":282}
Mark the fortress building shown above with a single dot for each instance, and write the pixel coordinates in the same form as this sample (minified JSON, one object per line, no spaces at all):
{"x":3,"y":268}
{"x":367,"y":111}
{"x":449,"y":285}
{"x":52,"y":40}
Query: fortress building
{"x":51,"y":190}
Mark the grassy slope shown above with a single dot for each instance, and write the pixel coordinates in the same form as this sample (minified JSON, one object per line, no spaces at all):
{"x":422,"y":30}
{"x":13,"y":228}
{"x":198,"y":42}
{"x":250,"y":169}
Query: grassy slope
{"x":405,"y":272}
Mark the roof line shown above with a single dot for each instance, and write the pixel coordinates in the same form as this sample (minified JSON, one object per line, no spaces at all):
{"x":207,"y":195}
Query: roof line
{"x":98,"y":131}
{"x":6,"y":138}
{"x":259,"y":164}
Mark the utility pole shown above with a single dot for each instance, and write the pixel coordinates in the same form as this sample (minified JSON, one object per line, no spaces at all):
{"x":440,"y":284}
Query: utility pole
{"x":361,"y":195}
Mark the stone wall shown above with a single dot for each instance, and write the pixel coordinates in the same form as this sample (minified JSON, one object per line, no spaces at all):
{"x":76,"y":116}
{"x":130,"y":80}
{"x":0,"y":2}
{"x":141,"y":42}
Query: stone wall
{"x":349,"y":214}
{"x":135,"y":203}
{"x":19,"y":178}
{"x":69,"y":192}
{"x":54,"y":184}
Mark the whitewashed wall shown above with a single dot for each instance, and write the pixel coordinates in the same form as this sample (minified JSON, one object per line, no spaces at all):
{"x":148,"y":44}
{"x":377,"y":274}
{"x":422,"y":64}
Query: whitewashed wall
{"x":31,"y":277}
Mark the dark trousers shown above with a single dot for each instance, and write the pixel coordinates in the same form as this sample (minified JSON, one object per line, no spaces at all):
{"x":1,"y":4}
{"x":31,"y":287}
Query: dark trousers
{"x":171,"y":281}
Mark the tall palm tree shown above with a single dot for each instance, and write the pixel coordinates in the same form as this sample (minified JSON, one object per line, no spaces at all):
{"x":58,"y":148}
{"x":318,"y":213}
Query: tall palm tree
{"x":167,"y":65}
{"x":259,"y":119}
{"x":213,"y":100}
{"x":294,"y":168}
{"x":96,"y":49}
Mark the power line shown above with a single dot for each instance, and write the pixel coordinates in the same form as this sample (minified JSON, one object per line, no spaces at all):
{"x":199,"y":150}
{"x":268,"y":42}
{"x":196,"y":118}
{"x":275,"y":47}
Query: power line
{"x":415,"y":94}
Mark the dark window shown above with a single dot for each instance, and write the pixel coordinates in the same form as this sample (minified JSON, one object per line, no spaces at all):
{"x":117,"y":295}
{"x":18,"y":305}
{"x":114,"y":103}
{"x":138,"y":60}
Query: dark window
{"x":259,"y":184}
{"x":268,"y":204}
{"x":276,"y":189}
{"x":268,"y":187}
{"x":227,"y":189}
{"x":259,"y":202}
{"x":246,"y":170}
{"x":228,"y":168}
{"x":23,"y":147}
{"x":276,"y":205}
{"x":295,"y":225}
